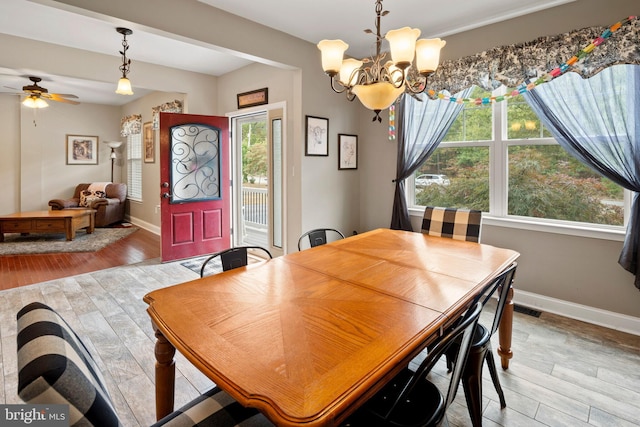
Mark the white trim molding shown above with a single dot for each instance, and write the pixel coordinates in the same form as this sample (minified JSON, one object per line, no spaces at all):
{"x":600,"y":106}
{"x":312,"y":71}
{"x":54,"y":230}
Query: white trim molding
{"x":596,"y":316}
{"x":146,"y":225}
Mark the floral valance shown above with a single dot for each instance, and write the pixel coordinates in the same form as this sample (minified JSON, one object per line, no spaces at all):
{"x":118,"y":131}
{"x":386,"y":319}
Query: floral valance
{"x":167,"y":107}
{"x":514,"y":64}
{"x":131,"y":125}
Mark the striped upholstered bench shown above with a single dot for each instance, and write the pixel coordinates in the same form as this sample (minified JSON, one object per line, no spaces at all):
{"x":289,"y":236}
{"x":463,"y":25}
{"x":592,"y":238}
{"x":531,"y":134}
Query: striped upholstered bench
{"x":55,"y":367}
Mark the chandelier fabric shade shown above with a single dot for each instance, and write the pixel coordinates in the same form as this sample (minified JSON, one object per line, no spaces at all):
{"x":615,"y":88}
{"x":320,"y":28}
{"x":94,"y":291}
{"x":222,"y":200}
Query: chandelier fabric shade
{"x":376,"y":81}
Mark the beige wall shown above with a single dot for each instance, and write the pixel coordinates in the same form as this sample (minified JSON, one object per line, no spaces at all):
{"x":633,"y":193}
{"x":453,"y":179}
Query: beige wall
{"x":35,"y":170}
{"x":573,"y":273}
{"x":145,"y":211}
{"x":10,"y":147}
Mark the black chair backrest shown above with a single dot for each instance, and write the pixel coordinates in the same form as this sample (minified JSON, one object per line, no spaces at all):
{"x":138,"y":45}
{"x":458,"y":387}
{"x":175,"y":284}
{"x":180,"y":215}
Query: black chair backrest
{"x":318,"y":236}
{"x":502,"y":283}
{"x":233,"y":257}
{"x":462,"y":333}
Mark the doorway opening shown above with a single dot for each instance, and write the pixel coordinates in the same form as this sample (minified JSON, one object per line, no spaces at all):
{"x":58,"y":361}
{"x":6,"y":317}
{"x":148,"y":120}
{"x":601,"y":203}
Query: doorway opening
{"x":257,"y":179}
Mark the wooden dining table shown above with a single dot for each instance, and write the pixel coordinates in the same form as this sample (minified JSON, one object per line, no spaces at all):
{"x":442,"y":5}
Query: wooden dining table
{"x":308,"y":337}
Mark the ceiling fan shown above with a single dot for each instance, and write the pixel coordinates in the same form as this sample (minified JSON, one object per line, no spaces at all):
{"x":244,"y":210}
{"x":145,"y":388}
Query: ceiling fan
{"x":35,"y":94}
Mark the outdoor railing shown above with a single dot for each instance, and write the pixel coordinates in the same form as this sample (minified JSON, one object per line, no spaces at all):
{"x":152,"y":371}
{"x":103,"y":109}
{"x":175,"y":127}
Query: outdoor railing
{"x":255,"y":203}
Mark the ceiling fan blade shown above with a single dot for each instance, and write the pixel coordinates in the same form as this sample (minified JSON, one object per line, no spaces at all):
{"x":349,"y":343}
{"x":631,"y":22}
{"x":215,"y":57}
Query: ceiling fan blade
{"x":58,"y":98}
{"x":65,"y":95}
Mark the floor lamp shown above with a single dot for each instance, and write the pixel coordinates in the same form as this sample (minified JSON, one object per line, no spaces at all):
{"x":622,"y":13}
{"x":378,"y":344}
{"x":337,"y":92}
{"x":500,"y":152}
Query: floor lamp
{"x":113,"y":145}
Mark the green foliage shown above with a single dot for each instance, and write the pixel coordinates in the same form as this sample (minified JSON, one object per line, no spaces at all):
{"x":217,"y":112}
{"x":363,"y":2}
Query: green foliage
{"x":544,"y":180}
{"x":256,"y":160}
{"x":468,"y":171}
{"x":474,"y":121}
{"x":254,"y":149}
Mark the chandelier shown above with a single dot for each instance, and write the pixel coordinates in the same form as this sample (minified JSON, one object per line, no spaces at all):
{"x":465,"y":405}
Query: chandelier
{"x":376,"y":81}
{"x":124,"y":85}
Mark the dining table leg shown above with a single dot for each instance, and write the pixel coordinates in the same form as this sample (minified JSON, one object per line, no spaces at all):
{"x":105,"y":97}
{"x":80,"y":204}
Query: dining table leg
{"x":165,"y":375}
{"x":505,"y":331}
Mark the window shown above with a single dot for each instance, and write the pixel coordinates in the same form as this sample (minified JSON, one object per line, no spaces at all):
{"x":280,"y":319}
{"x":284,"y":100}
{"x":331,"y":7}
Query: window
{"x":499,"y":158}
{"x":134,"y":166}
{"x":462,"y":158}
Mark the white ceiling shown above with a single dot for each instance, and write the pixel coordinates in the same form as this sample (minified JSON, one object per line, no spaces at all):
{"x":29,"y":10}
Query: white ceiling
{"x":306,"y":19}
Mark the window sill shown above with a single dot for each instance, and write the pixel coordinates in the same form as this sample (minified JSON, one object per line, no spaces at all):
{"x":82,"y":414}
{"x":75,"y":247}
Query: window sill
{"x":604,"y":232}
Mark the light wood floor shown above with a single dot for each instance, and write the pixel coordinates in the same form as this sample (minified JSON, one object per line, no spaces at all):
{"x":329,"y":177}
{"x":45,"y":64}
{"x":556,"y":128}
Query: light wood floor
{"x":564,"y":372}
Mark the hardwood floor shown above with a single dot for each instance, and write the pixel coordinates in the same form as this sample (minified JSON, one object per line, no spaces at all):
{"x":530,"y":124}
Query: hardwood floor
{"x":20,"y":270}
{"x":563,"y":373}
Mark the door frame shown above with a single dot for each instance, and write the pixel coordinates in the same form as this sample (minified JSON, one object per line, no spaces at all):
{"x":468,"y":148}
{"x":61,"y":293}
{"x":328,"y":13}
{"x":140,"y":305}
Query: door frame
{"x":235,"y":235}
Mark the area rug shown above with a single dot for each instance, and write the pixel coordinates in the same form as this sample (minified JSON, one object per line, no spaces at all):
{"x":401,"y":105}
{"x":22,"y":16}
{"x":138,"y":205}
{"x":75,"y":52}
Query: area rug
{"x":214,"y":266}
{"x":17,"y":244}
{"x":195,"y":264}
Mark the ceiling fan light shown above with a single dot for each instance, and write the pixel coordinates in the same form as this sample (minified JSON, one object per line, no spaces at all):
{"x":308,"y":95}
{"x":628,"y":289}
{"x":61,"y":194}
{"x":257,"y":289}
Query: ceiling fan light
{"x":124,"y":87}
{"x":34,"y":102}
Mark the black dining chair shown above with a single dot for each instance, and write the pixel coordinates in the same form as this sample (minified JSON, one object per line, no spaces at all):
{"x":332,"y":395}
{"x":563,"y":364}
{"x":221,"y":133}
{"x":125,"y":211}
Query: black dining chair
{"x":481,"y":348}
{"x":410,"y":399}
{"x":455,"y":223}
{"x":233,"y":257}
{"x":318,"y":236}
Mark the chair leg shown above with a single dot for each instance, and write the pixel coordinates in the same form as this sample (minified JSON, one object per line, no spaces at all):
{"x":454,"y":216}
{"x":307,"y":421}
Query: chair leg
{"x":494,"y":377}
{"x":472,"y":384}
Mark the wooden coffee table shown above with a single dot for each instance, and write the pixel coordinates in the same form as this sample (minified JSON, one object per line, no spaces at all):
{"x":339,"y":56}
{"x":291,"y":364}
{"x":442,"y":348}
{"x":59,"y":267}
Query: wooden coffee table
{"x":66,"y":221}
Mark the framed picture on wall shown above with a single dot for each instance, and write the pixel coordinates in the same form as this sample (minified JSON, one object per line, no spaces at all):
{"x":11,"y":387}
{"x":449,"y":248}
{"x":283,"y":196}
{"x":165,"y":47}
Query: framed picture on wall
{"x":347,"y":151}
{"x":255,"y":97}
{"x":82,"y":150}
{"x":149,"y":143}
{"x":317,"y":141}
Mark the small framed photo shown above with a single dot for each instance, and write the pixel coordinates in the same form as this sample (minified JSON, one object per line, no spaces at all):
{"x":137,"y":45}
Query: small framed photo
{"x":253,"y":98}
{"x":317,"y":141}
{"x":82,"y":150}
{"x":347,"y":151}
{"x":149,"y":143}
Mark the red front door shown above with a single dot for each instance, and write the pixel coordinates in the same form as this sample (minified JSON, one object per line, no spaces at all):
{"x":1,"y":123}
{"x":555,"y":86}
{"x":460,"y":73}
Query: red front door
{"x":195,"y":191}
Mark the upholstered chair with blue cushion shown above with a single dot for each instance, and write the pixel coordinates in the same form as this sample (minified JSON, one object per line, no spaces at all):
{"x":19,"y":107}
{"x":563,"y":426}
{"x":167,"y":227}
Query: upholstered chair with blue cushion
{"x":457,"y":224}
{"x":55,"y":367}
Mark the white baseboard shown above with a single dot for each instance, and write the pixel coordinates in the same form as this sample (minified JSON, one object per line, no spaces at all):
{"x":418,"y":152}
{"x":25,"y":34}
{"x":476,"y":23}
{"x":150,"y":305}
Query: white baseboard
{"x":143,"y":224}
{"x":596,"y":316}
